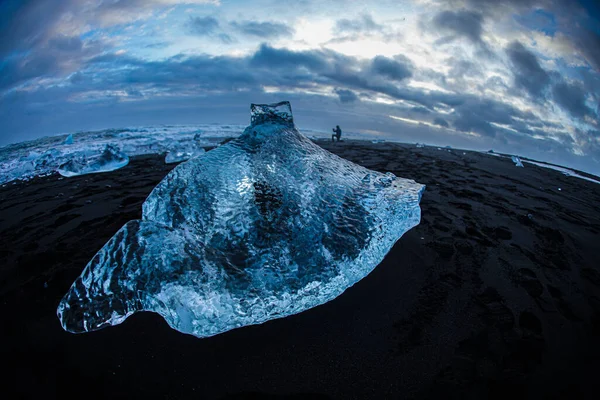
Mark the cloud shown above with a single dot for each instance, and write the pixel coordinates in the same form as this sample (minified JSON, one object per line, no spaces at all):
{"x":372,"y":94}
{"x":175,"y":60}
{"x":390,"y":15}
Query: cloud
{"x":54,"y":58}
{"x":268,"y":56}
{"x":528,"y":73}
{"x":207,"y":26}
{"x":421,"y":110}
{"x":478,"y":115}
{"x":158,"y":45}
{"x":346,"y":96}
{"x":202,"y":26}
{"x":571,"y":97}
{"x":390,"y":68}
{"x":27,"y":24}
{"x":364,"y":23}
{"x":441,"y":122}
{"x":461,"y":23}
{"x":265,"y":30}
{"x":588,"y":43}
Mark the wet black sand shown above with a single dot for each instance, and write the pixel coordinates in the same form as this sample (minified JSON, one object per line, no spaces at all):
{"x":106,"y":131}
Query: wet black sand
{"x":478,"y":301}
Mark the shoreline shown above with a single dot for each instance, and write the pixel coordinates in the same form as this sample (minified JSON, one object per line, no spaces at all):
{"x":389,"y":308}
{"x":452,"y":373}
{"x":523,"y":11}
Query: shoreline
{"x":494,"y":294}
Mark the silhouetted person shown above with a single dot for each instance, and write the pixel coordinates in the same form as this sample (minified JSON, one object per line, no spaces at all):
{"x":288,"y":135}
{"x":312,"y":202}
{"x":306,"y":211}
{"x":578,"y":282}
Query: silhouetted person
{"x":337,"y":133}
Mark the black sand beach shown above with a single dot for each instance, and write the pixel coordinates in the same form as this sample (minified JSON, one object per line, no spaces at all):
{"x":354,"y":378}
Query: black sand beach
{"x":496,"y":294}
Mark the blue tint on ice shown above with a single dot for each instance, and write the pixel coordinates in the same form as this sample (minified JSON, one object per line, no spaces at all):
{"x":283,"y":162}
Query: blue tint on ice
{"x":265,"y":226}
{"x":517,"y":161}
{"x":179,"y":154}
{"x":109,"y":159}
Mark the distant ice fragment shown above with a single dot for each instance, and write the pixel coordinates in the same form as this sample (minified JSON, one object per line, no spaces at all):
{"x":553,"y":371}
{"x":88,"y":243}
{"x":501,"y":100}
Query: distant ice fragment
{"x":420,"y":145}
{"x":109,"y":159}
{"x":179,"y":155}
{"x":517,"y":161}
{"x":47,"y":159}
{"x":375,"y":141}
{"x":265,"y":226}
{"x":69,"y":139}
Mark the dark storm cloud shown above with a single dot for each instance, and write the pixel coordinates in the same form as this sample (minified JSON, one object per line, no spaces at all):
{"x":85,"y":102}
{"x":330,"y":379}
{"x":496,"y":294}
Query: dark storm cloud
{"x":202,"y":26}
{"x":265,"y":30}
{"x":183,"y":76}
{"x":268,"y":56}
{"x":55,"y":57}
{"x":477,"y":115}
{"x":364,"y":23}
{"x":472,"y":113}
{"x":460,"y":23}
{"x":461,"y":68}
{"x":199,"y":73}
{"x":25,"y":24}
{"x":346,"y":96}
{"x":489,"y":7}
{"x":390,"y":68}
{"x":571,"y":97}
{"x":528,"y":73}
{"x":588,"y":43}
{"x":441,"y":122}
{"x":207,"y":26}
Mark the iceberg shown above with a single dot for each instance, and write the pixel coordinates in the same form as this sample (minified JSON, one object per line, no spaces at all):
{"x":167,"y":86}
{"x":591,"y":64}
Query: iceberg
{"x":265,"y":226}
{"x":69,"y":139}
{"x":517,"y":161}
{"x":109,"y":159}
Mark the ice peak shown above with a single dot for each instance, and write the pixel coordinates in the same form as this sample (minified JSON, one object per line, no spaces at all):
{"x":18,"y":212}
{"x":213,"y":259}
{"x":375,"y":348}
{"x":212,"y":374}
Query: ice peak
{"x":279,"y":113}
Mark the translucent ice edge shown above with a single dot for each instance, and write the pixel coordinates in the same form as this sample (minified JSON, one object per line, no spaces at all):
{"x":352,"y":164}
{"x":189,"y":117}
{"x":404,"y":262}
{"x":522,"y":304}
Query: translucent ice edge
{"x":266,"y":226}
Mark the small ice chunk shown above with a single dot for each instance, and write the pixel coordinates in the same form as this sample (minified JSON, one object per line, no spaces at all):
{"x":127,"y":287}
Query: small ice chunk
{"x":420,"y":145}
{"x":517,"y":161}
{"x":110,"y":159}
{"x":377,"y":141}
{"x":69,"y":139}
{"x":47,"y":159}
{"x":180,"y":155}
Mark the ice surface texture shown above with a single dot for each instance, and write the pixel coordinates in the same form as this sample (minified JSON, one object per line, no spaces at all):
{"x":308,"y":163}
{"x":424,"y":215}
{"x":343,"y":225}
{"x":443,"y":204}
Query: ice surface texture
{"x":179,"y":154}
{"x":268,"y":225}
{"x":109,"y":159}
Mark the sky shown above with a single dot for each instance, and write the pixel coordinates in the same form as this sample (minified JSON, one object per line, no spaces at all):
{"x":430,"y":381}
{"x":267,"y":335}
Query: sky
{"x":516,"y":76}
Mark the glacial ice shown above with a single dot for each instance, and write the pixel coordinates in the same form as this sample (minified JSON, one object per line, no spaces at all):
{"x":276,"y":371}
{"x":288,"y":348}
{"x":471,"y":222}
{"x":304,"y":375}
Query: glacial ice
{"x":69,"y":139}
{"x":517,"y":161}
{"x":109,"y":159}
{"x":182,"y":154}
{"x":17,"y":161}
{"x":265,"y":226}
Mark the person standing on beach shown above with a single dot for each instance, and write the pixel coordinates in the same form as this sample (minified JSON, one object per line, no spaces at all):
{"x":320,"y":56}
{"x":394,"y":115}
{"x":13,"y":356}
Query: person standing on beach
{"x":337,"y":133}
